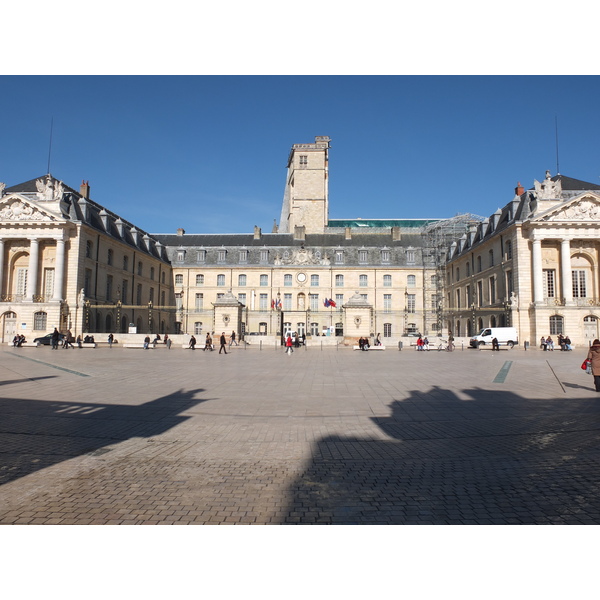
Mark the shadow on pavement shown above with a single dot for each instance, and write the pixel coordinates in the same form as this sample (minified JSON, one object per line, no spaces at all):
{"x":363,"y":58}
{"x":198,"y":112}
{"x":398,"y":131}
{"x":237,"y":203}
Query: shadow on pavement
{"x":494,"y":458}
{"x":37,"y":434}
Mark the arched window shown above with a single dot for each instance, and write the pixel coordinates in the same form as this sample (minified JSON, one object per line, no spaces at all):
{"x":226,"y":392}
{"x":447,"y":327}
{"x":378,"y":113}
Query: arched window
{"x":363,"y":281}
{"x":199,"y":279}
{"x":411,"y":280}
{"x":493,"y":321}
{"x":387,"y":281}
{"x":179,"y":279}
{"x":241,"y":280}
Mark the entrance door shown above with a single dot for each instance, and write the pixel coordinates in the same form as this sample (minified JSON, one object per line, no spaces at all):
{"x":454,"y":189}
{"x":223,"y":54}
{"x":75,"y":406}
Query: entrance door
{"x":9,"y":327}
{"x":590,"y":328}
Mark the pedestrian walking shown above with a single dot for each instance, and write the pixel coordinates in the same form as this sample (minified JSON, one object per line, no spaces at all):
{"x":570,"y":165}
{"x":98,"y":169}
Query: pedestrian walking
{"x":288,"y":344}
{"x":68,"y":341}
{"x":168,"y":342}
{"x":111,"y":338}
{"x":192,"y":343}
{"x":232,"y":339}
{"x":78,"y":342}
{"x":223,"y":342}
{"x":146,"y":342}
{"x":208,"y":345}
{"x":594,"y":356}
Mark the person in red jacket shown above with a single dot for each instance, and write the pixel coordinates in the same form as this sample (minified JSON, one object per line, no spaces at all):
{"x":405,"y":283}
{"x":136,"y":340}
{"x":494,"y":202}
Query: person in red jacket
{"x":288,"y":344}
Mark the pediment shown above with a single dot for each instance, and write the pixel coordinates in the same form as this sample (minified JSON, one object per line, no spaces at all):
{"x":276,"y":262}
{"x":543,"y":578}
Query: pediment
{"x":16,"y":208}
{"x":580,"y":209}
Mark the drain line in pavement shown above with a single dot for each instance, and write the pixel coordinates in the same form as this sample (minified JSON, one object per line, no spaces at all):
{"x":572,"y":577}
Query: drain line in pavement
{"x":557,"y":379}
{"x":503,"y":372}
{"x":51,"y":365}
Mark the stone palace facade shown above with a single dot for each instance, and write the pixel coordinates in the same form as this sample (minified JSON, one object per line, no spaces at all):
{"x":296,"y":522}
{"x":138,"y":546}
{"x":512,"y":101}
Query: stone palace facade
{"x":68,"y":262}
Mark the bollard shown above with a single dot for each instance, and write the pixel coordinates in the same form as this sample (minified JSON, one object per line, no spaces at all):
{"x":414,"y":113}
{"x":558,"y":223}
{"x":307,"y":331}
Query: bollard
{"x":260,"y":343}
{"x":400,"y":345}
{"x":462,"y":346}
{"x":525,"y":345}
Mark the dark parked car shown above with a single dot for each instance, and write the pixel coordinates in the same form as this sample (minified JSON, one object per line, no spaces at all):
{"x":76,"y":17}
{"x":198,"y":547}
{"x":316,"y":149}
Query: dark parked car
{"x":46,"y":340}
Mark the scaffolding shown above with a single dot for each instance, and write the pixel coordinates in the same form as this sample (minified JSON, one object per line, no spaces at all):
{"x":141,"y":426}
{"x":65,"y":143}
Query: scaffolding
{"x":437,"y":239}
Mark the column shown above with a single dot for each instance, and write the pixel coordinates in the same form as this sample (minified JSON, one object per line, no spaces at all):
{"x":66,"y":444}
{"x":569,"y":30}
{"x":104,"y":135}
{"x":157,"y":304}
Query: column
{"x":32,"y":273}
{"x":60,"y":271}
{"x":565,"y":271}
{"x":1,"y":267}
{"x":538,"y":286}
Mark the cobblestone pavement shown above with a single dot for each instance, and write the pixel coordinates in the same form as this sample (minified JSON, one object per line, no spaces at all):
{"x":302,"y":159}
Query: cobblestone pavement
{"x":127,"y":436}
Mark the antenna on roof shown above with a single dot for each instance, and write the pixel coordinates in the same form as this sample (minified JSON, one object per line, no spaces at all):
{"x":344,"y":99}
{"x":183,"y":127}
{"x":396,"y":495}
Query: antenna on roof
{"x":50,"y":146}
{"x":556,"y":134}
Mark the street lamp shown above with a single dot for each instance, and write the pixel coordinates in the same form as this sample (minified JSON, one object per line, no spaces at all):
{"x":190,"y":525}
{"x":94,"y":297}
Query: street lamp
{"x":473,"y":317}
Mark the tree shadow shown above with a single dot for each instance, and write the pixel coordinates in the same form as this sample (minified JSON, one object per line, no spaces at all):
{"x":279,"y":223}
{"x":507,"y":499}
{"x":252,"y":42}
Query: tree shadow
{"x":37,"y":434}
{"x":487,"y":458}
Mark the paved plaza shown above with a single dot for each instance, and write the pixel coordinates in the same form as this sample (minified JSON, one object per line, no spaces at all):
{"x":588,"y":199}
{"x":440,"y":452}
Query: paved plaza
{"x":324,"y":436}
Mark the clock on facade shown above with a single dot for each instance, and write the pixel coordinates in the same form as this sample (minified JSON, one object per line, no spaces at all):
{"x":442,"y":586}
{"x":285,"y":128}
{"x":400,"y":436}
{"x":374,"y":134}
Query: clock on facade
{"x":301,"y":277}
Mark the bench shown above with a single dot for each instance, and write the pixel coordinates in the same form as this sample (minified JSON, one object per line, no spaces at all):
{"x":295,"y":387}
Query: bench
{"x":137,"y":345}
{"x":369,"y":348}
{"x":27,"y":345}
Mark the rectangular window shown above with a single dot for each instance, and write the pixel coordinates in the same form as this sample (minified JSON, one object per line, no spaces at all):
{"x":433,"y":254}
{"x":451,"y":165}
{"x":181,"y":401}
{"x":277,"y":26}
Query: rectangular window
{"x":287,"y":280}
{"x":21,"y":282}
{"x":509,"y":283}
{"x":179,"y":279}
{"x":199,"y":279}
{"x":48,"y":283}
{"x":287,"y":302}
{"x":339,"y":301}
{"x":87,"y":282}
{"x":201,"y":255}
{"x":241,"y":280}
{"x":199,"y":301}
{"x":314,"y":280}
{"x":243,"y":256}
{"x":411,"y":303}
{"x":242,"y":298}
{"x":40,"y":321}
{"x":303,"y":159}
{"x":109,"y":257}
{"x":387,"y":281}
{"x":579,"y":287}
{"x":339,"y":281}
{"x":220,"y":280}
{"x":491,"y":253}
{"x":387,"y":330}
{"x":480,"y":299}
{"x":263,"y":302}
{"x":151,"y":295}
{"x":314,"y":328}
{"x":362,"y":256}
{"x":387,"y":303}
{"x":221,"y":254}
{"x":109,"y":288}
{"x":124,"y":290}
{"x":180,"y":255}
{"x":363,"y":281}
{"x":548,"y":282}
{"x":365,"y":297}
{"x":198,"y":328}
{"x":139,"y":294}
{"x":339,"y":257}
{"x":410,"y":256}
{"x":162,"y":298}
{"x":264,"y":281}
{"x":385,"y":256}
{"x":492,"y":290}
{"x":264,"y":256}
{"x":314,"y":301}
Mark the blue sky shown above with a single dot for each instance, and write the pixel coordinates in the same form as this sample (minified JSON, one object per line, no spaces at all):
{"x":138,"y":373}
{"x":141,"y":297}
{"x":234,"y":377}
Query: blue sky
{"x":208,"y":153}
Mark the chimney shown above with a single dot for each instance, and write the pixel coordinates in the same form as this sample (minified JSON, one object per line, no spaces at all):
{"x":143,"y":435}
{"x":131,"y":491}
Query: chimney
{"x":519,"y":190}
{"x":257,"y":233}
{"x":275,"y":228}
{"x":348,"y":233}
{"x":84,"y":189}
{"x":299,"y":232}
{"x":181,"y":231}
{"x":396,"y":237}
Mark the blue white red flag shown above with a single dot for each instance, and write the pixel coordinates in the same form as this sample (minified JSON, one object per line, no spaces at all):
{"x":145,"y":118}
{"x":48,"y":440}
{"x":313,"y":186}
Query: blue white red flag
{"x":332,"y":303}
{"x":326,"y":303}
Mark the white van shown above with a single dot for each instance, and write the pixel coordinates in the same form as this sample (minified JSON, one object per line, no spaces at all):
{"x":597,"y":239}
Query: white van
{"x":506,"y":336}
